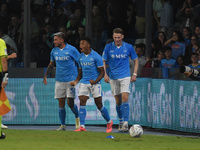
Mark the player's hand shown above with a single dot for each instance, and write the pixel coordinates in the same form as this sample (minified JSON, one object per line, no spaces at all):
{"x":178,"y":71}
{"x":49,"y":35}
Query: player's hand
{"x":133,"y":78}
{"x":92,"y":82}
{"x":45,"y":80}
{"x":73,"y":83}
{"x":3,"y":84}
{"x":106,"y":79}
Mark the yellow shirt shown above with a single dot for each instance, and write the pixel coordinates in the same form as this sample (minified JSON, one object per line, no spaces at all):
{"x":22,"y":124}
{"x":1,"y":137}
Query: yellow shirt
{"x":3,"y":51}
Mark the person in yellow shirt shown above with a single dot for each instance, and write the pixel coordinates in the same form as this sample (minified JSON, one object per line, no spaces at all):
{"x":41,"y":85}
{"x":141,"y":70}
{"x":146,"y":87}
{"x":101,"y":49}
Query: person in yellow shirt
{"x":3,"y":73}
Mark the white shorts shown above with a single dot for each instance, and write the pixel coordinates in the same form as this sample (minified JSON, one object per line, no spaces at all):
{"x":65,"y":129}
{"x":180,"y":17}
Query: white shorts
{"x":64,"y":89}
{"x":87,"y":89}
{"x":119,"y":86}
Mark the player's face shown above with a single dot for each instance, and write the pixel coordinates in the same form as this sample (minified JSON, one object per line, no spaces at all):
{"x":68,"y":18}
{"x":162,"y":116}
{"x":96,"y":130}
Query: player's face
{"x":118,"y":37}
{"x":84,"y":46}
{"x":58,"y":41}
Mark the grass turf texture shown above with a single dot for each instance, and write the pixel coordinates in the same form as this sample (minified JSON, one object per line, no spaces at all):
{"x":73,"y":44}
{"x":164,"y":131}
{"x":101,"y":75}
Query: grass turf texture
{"x":58,"y":140}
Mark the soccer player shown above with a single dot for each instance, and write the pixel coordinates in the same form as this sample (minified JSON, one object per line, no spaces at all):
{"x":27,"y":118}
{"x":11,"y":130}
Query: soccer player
{"x":91,"y":71}
{"x":4,"y":73}
{"x":65,"y":56}
{"x":116,"y":56}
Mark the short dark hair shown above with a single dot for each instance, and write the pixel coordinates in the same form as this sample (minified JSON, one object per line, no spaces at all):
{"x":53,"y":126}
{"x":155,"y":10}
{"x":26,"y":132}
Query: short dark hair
{"x":86,"y":39}
{"x":60,"y":35}
{"x":118,"y":30}
{"x":165,"y":48}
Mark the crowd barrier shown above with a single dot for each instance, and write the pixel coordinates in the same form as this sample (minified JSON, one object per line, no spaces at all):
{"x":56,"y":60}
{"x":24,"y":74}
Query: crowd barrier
{"x":156,"y":103}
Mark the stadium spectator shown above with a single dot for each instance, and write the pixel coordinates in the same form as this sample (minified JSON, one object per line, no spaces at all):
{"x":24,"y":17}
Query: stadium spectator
{"x":81,"y":33}
{"x":194,"y":60}
{"x":157,"y":7}
{"x":60,"y":19}
{"x":156,"y":62}
{"x":192,"y":48}
{"x":166,"y":17}
{"x":97,"y":29}
{"x":11,"y":49}
{"x":91,"y":72}
{"x":197,"y":32}
{"x":157,"y":44}
{"x":187,"y":35}
{"x":72,"y":33}
{"x":64,"y":56}
{"x":4,"y":17}
{"x":116,"y":56}
{"x":129,"y":29}
{"x":4,"y":74}
{"x":116,"y":14}
{"x":181,"y":61}
{"x":140,"y":17}
{"x":186,"y":17}
{"x":140,"y":50}
{"x":14,"y":27}
{"x":167,"y":62}
{"x":177,"y":43}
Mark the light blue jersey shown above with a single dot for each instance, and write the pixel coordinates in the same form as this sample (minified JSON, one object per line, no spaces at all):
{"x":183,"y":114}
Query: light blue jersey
{"x":118,"y":59}
{"x":89,"y":65}
{"x":66,"y":68}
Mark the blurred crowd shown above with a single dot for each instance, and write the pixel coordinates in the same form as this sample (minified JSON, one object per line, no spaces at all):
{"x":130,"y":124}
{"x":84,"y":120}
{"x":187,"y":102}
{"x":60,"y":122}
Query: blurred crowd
{"x":175,"y":30}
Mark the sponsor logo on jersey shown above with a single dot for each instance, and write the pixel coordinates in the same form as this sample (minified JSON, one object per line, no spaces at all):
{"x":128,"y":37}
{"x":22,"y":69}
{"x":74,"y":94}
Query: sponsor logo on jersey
{"x":121,"y":56}
{"x":62,"y":57}
{"x":87,"y":63}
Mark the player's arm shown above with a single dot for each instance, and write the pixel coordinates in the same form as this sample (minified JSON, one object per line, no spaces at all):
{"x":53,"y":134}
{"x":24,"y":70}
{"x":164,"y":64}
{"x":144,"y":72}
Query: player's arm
{"x":5,"y":71}
{"x":101,"y":70}
{"x":48,"y":71}
{"x":134,"y":75}
{"x":79,"y":77}
{"x":106,"y":77}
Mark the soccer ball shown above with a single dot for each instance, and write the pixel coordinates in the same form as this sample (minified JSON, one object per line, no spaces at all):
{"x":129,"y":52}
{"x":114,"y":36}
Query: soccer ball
{"x":136,"y":130}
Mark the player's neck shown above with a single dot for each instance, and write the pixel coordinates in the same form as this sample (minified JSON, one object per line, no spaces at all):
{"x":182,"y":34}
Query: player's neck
{"x":88,"y":51}
{"x":62,"y":46}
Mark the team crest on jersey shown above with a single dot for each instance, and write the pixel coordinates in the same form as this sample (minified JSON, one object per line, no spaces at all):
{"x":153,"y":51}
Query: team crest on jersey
{"x":113,"y":56}
{"x":56,"y":58}
{"x":67,"y":53}
{"x":56,"y":52}
{"x":91,"y":59}
{"x":125,"y":51}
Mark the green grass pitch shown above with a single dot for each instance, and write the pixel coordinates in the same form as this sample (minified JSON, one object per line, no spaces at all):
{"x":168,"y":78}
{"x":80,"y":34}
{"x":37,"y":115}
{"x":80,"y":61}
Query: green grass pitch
{"x":70,"y":140}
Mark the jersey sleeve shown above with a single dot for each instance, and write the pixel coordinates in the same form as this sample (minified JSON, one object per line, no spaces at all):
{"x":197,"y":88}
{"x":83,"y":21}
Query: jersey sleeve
{"x":3,"y":49}
{"x":105,"y":53}
{"x":133,"y":54}
{"x":75,"y":54}
{"x":78,"y":61}
{"x":99,"y":61}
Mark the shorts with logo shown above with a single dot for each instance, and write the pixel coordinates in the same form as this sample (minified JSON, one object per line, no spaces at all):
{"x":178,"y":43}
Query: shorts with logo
{"x":119,"y":86}
{"x":87,"y":89}
{"x":64,"y":89}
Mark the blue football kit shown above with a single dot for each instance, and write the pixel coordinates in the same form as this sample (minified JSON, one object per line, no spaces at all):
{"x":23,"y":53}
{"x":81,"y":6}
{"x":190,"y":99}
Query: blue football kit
{"x":118,"y":59}
{"x":66,"y":71}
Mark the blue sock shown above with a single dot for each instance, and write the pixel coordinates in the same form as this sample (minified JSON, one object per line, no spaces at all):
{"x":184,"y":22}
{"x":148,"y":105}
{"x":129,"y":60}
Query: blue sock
{"x":82,"y":113}
{"x":119,"y":112}
{"x":75,"y":110}
{"x":104,"y":113}
{"x":62,"y":115}
{"x":125,"y":110}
